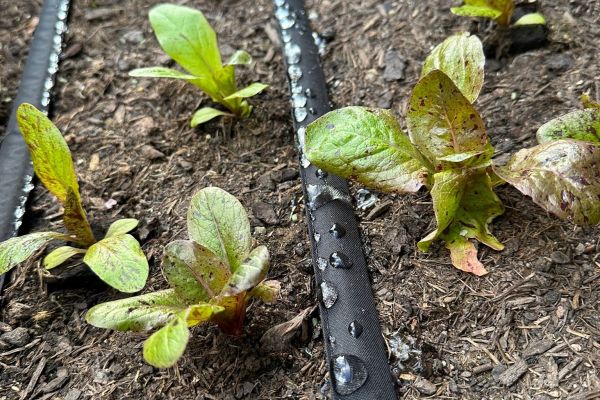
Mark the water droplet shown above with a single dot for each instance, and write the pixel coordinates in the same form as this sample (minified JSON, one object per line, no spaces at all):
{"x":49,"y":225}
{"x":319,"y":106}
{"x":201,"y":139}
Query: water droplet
{"x":292,"y":53}
{"x":298,"y":100}
{"x":319,"y":195}
{"x":321,"y":263}
{"x":279,"y":3}
{"x":349,"y":374}
{"x":365,"y":199}
{"x":296,"y":89}
{"x":300,"y":114}
{"x":329,"y":126}
{"x":329,"y":294}
{"x":317,"y":237}
{"x":355,"y":329}
{"x":340,"y":260}
{"x":308,"y":92}
{"x":295,"y":73}
{"x":337,"y":231}
{"x":332,"y":340}
{"x":312,"y":110}
{"x":287,"y":23}
{"x":319,"y":42}
{"x":321,"y":174}
{"x":286,"y":36}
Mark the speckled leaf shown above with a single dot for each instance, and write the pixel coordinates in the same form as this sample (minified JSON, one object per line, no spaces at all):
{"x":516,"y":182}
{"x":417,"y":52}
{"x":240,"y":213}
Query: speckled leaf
{"x":587,"y":102}
{"x":461,"y":58}
{"x":249,"y":91}
{"x":463,"y":252}
{"x":267,"y":291}
{"x":161,"y":72}
{"x":120,"y":262}
{"x":580,"y":125}
{"x":60,"y":255}
{"x":240,"y":57}
{"x":121,"y":226}
{"x":198,"y":313}
{"x":366,"y":145}
{"x":218,"y":221}
{"x":560,"y":176}
{"x":442,"y":122}
{"x":187,"y":37}
{"x":164,"y":347}
{"x":18,"y":249}
{"x":205,"y":114}
{"x":138,"y":313}
{"x":75,"y":220}
{"x":196,"y":273}
{"x":252,"y":271}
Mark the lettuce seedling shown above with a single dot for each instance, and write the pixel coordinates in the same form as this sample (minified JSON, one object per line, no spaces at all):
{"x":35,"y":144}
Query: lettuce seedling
{"x":500,"y":11}
{"x":447,"y":151}
{"x":187,"y":37}
{"x":212,"y":276}
{"x":117,"y":259}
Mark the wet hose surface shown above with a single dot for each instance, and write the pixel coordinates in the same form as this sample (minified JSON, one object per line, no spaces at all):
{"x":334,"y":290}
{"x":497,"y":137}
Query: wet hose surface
{"x":355,"y":350}
{"x":37,"y":80}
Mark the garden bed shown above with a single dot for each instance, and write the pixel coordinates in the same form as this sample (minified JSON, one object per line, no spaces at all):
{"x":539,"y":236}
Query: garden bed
{"x":137,"y":157}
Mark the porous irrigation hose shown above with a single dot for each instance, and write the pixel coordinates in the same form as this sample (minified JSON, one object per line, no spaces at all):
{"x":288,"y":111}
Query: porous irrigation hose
{"x":354,"y":346}
{"x":37,"y":80}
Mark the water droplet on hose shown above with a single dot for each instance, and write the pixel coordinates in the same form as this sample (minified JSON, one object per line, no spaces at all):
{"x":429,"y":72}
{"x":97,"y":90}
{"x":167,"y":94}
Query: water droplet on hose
{"x":319,"y":195}
{"x":298,"y":100}
{"x":292,"y":53}
{"x":308,"y":92}
{"x":329,"y":294}
{"x":365,"y":199}
{"x":355,"y":329}
{"x":321,"y":174}
{"x":332,"y":341}
{"x":321,"y":263}
{"x":349,"y":373}
{"x":295,"y":73}
{"x":337,"y":231}
{"x":317,"y":237}
{"x":312,"y":110}
{"x":300,"y":114}
{"x":339,"y":260}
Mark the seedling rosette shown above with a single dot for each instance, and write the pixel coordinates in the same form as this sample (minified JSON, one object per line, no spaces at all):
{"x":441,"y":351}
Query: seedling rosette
{"x":212,"y":277}
{"x":187,"y":37}
{"x":117,"y":259}
{"x":447,"y":150}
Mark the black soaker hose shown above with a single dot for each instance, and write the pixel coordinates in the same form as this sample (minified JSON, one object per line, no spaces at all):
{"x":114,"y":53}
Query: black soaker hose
{"x":16,"y":171}
{"x":354,"y":346}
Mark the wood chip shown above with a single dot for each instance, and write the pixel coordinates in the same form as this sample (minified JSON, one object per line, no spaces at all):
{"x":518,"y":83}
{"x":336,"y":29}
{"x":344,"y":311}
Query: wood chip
{"x":34,"y":378}
{"x":513,"y":373}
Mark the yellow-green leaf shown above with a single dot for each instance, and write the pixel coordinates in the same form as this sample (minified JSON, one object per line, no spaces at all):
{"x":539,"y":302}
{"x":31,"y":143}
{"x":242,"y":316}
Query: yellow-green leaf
{"x":18,"y":249}
{"x":120,"y":262}
{"x":161,"y":72}
{"x":267,"y":291}
{"x":205,"y":114}
{"x":462,"y":59}
{"x":218,"y":221}
{"x":248,"y":91}
{"x":252,"y":271}
{"x":587,"y":102}
{"x":240,"y":57}
{"x":121,"y":226}
{"x":531,"y":19}
{"x":60,"y":255}
{"x":165,"y":346}
{"x":580,"y":125}
{"x":202,"y":312}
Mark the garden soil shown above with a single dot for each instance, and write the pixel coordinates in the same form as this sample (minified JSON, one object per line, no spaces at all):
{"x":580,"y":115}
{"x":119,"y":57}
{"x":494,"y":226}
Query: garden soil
{"x":528,"y":329}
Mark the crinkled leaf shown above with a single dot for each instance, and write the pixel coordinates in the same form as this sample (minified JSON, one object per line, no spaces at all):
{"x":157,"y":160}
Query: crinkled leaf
{"x":60,"y":255}
{"x":580,"y":125}
{"x":446,"y":193}
{"x":366,"y":145}
{"x":252,"y":271}
{"x":240,"y":57}
{"x":587,"y":102}
{"x":461,"y":58}
{"x":120,"y":262}
{"x":195,"y":272}
{"x":18,"y":249}
{"x":560,"y":176}
{"x":49,"y":152}
{"x":164,"y":347}
{"x":218,"y":221}
{"x":267,"y":291}
{"x":122,"y":226}
{"x":187,"y":37}
{"x":161,"y":72}
{"x":75,"y":220}
{"x":463,"y":252}
{"x":248,"y":91}
{"x":442,"y":122}
{"x":138,"y":313}
{"x":531,"y":19}
{"x":205,"y":114}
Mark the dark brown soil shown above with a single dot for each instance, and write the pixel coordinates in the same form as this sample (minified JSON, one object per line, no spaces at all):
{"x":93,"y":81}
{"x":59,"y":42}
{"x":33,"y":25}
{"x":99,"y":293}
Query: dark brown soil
{"x":539,"y":291}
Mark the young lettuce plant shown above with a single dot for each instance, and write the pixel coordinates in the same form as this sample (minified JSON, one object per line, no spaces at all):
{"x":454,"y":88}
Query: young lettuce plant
{"x":117,"y":259}
{"x":447,"y":151}
{"x":212,"y":276}
{"x":187,"y":37}
{"x":500,"y":11}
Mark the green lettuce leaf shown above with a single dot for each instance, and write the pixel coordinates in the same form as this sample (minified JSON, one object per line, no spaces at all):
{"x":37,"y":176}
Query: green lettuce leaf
{"x":18,"y":249}
{"x":165,"y":346}
{"x":252,"y":271}
{"x":580,"y":125}
{"x":60,"y":255}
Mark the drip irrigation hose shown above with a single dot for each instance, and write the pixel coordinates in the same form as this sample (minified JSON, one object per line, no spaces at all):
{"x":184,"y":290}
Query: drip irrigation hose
{"x":354,"y":346}
{"x":37,"y":80}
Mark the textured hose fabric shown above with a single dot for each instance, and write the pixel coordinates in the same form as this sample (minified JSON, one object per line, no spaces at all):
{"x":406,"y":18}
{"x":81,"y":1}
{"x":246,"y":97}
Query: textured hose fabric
{"x":346,"y":293}
{"x":16,"y":170}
